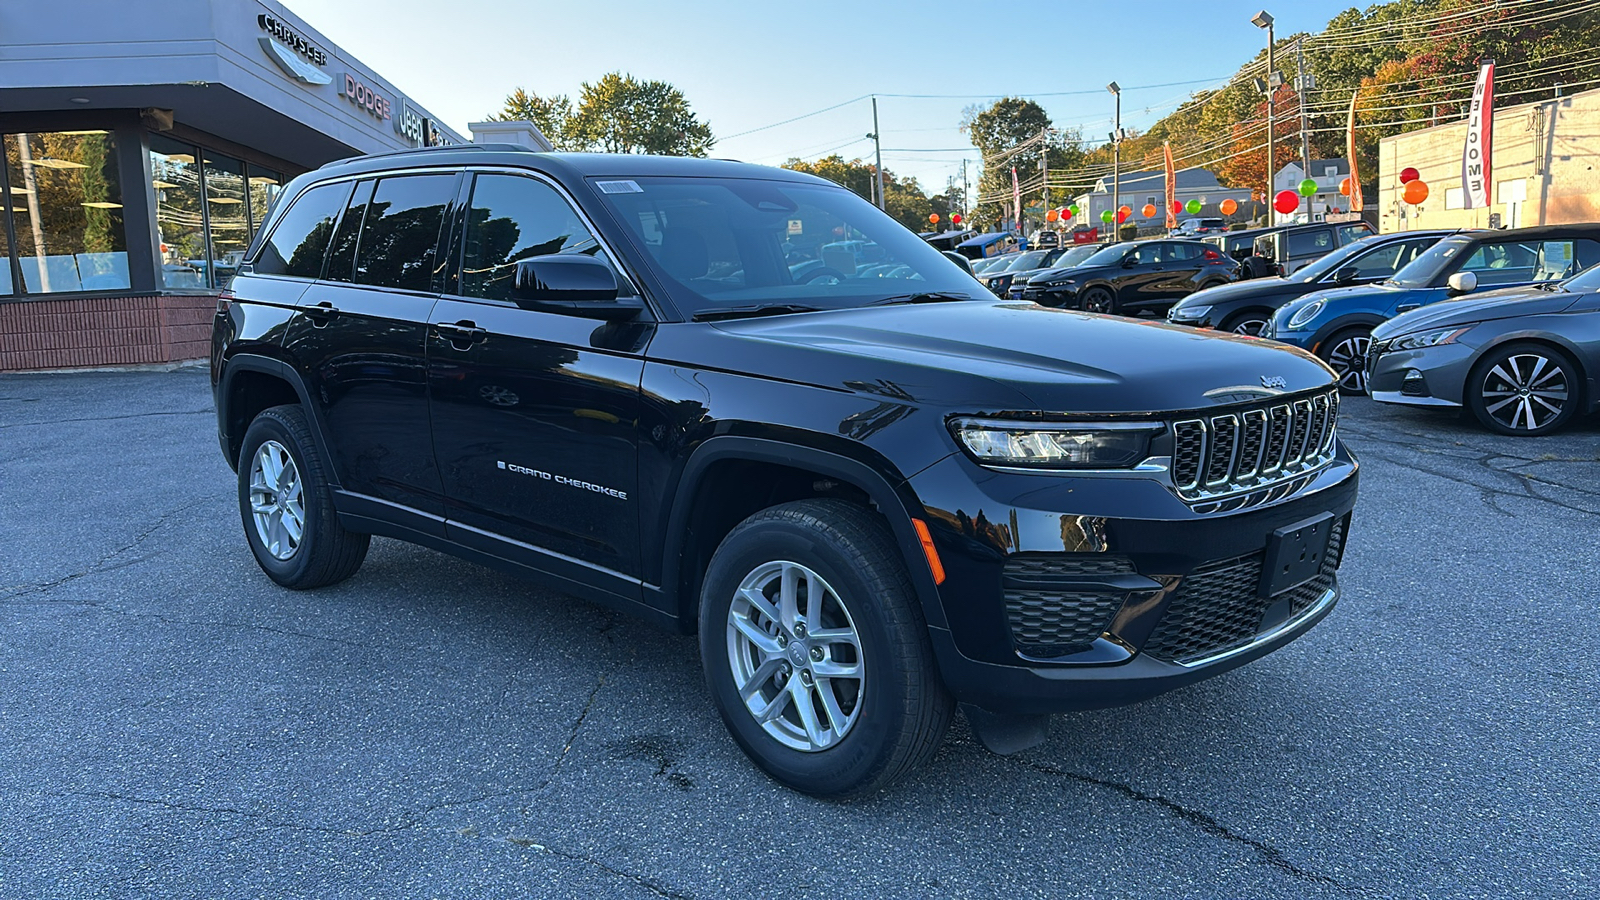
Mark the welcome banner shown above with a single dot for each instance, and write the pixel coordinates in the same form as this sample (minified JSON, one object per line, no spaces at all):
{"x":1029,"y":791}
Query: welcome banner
{"x":1477,"y":156}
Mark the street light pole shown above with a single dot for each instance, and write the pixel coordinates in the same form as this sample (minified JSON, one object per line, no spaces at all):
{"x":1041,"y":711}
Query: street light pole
{"x":1116,"y":160}
{"x":878,"y":149}
{"x":1304,"y":83}
{"x":1263,"y":19}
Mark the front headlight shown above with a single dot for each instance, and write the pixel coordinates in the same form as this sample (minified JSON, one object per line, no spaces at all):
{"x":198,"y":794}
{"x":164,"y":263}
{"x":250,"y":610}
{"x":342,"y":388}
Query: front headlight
{"x":1189,"y":312}
{"x":1426,"y":339}
{"x":1110,"y":445}
{"x":1305,"y":314}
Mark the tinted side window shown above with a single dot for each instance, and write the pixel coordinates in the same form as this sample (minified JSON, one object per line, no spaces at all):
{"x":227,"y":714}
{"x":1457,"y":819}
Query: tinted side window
{"x":299,"y":239}
{"x":1349,"y":234}
{"x":342,"y":251}
{"x":512,"y":217}
{"x":1310,"y":243}
{"x":1382,"y":262}
{"x":399,"y":242}
{"x":1182,"y":252}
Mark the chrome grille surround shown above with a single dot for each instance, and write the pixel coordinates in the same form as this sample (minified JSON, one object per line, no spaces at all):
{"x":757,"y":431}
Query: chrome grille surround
{"x":1255,"y":454}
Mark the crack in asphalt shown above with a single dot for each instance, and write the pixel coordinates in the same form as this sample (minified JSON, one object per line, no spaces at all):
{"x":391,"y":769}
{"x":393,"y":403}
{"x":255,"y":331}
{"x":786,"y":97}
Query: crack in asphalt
{"x":192,"y":412}
{"x":100,"y":564}
{"x":649,"y":884}
{"x":1527,"y":493}
{"x":1267,"y":853}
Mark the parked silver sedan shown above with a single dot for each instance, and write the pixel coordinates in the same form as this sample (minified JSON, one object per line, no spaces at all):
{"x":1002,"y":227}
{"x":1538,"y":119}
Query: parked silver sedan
{"x":1524,"y":360}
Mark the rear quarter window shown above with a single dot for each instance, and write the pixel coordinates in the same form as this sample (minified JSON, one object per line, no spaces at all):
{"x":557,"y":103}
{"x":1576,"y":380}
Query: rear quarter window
{"x":300,"y":239}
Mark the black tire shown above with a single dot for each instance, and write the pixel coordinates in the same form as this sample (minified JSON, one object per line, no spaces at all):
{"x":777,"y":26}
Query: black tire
{"x":899,"y":710}
{"x":1346,"y":352}
{"x":1247,"y":321}
{"x":1548,"y":377}
{"x":325,"y":552}
{"x":1099,"y":300}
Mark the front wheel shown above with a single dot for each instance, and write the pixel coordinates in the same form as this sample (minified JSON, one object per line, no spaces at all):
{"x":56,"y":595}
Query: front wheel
{"x":816,"y":652}
{"x":1524,"y":390}
{"x":1251,"y":322}
{"x":1346,"y":352}
{"x":1098,"y":300}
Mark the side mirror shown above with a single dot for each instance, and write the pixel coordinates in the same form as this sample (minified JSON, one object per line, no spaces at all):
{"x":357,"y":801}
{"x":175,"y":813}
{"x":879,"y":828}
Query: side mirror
{"x":572,"y":285}
{"x":1346,"y":275}
{"x":958,"y":259}
{"x":1463,"y":283}
{"x":1130,"y":261}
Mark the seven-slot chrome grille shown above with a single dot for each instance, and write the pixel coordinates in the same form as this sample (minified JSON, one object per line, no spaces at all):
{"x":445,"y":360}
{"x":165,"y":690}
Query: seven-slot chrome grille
{"x":1260,"y":450}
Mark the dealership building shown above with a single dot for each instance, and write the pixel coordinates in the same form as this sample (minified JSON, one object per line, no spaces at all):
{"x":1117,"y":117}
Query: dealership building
{"x":144,"y":144}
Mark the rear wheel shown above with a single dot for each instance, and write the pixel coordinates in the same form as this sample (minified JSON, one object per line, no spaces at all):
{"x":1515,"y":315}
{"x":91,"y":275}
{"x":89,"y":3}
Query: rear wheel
{"x":287,"y":506}
{"x":1524,"y":389}
{"x":1346,"y":352}
{"x":1098,"y":300}
{"x":816,"y":652}
{"x":1249,"y":321}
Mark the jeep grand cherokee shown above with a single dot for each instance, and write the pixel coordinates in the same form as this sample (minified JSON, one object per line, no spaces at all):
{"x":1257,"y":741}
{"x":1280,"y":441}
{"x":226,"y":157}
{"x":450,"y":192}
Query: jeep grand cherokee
{"x":873,"y":497}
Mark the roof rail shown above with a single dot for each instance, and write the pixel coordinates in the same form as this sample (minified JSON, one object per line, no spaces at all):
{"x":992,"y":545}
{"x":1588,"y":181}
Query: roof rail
{"x":502,"y":148}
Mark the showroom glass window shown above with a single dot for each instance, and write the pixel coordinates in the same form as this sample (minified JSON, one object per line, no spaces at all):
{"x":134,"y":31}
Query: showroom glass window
{"x":208,"y":207}
{"x":66,"y":208}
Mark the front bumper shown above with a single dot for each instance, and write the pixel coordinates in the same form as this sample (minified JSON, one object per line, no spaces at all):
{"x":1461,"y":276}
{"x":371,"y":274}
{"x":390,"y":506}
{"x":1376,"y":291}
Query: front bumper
{"x":1431,"y":376}
{"x":1177,"y":591}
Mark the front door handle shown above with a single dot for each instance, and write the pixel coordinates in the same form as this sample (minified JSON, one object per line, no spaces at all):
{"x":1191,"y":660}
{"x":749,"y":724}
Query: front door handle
{"x":461,"y":334}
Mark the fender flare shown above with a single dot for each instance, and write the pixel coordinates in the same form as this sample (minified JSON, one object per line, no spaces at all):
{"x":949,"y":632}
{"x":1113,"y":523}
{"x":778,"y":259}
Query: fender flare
{"x":893,"y":501}
{"x":254,"y":362}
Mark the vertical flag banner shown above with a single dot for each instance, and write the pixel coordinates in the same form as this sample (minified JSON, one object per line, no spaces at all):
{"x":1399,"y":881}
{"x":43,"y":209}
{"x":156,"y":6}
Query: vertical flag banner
{"x":1350,"y":154}
{"x":1477,"y":156}
{"x":1016,"y":198}
{"x":1172,"y":187}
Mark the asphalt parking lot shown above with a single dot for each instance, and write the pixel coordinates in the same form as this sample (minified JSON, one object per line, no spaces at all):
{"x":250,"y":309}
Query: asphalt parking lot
{"x":172,"y":724}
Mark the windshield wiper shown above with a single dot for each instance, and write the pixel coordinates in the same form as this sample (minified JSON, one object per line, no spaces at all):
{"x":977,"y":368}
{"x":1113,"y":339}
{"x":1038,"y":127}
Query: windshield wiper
{"x":751,"y":312}
{"x":924,"y":297}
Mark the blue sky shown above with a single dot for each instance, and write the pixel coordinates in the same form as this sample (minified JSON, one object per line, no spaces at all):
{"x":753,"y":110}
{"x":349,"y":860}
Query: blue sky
{"x":748,"y":65}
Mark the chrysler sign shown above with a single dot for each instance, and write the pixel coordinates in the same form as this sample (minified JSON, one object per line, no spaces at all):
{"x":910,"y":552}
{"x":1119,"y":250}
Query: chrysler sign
{"x":297,"y":57}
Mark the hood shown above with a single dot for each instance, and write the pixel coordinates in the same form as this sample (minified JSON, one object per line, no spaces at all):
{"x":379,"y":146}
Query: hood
{"x":1263,"y":289}
{"x":1376,"y":295}
{"x":993,"y":357}
{"x":1467,"y":309}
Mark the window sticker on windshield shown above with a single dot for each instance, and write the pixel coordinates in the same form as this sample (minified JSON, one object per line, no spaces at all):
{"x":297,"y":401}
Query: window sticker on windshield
{"x":619,"y":187}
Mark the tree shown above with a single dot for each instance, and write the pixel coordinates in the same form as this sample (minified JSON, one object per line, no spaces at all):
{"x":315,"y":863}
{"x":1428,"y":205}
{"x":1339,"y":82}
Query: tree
{"x":904,"y":200}
{"x":617,"y":114}
{"x":1016,"y":133}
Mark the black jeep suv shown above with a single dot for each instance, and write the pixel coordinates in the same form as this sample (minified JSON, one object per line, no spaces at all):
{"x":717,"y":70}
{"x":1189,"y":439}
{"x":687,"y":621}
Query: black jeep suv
{"x":872,"y":498}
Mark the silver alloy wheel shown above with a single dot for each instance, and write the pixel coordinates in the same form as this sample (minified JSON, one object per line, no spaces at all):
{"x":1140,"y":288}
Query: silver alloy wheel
{"x":1249,"y":326}
{"x":796,"y":656}
{"x":1525,"y":391}
{"x":275,"y":500}
{"x":1349,"y":360}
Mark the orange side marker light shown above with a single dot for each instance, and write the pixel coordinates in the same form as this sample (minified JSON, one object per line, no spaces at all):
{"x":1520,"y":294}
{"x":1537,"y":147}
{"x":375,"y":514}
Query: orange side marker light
{"x":934,"y":565}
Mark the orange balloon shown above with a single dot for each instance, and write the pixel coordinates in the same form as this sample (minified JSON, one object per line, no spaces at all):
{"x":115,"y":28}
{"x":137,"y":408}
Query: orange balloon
{"x":934,"y":218}
{"x":1052,"y":215}
{"x":1415,"y":192}
{"x":1149,"y":210}
{"x":1344,"y":187}
{"x":1230,"y":206}
{"x":1125,"y":210}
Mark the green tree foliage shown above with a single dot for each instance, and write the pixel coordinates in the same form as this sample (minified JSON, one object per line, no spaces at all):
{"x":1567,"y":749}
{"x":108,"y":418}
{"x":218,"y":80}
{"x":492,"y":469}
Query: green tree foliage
{"x":1017,"y":133}
{"x":617,"y":114}
{"x":903,"y":199}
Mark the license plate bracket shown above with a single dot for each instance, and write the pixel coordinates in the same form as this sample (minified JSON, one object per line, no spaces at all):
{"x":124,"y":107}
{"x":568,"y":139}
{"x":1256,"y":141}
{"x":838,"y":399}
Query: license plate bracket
{"x":1295,"y":554}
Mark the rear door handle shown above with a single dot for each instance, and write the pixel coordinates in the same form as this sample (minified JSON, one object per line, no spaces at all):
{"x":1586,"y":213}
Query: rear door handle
{"x":463,"y":332}
{"x":321,"y":313}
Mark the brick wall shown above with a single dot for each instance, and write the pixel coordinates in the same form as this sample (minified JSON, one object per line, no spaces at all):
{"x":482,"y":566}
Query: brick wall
{"x":104,"y":331}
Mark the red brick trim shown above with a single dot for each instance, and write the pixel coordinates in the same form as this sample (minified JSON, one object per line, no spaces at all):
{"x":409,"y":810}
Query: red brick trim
{"x":86,"y":332}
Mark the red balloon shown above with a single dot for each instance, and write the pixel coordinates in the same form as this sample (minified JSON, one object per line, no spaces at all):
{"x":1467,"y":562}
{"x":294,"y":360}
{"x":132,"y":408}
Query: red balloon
{"x":1415,"y":192}
{"x":1286,"y":202}
{"x":1177,"y":208}
{"x":955,"y":219}
{"x":1408,"y":175}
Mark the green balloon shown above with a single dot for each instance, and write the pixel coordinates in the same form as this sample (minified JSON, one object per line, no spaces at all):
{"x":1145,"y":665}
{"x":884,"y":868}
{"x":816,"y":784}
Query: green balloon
{"x":1073,"y":209}
{"x":1192,"y":207}
{"x":1308,"y":187}
{"x":1107,"y":216}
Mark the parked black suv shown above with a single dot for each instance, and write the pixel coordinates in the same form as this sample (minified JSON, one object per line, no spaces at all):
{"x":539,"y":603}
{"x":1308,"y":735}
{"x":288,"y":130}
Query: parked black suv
{"x":1133,"y":277}
{"x":872,"y":498}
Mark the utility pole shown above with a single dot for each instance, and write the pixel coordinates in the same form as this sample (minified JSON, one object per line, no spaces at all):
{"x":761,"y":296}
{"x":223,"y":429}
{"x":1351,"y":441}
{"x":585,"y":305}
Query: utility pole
{"x":1116,"y":161}
{"x":1263,"y":19}
{"x":1044,"y":169}
{"x":966,"y":199}
{"x":1306,"y":83}
{"x":878,"y":149}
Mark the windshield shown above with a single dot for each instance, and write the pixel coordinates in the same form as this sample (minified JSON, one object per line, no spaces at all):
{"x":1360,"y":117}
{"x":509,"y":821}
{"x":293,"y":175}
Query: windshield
{"x":1587,"y":280}
{"x":1331,"y":262}
{"x":1074,"y":256}
{"x":1421,"y":272}
{"x":732,"y":242}
{"x":1109,"y":255}
{"x":1030,"y":260}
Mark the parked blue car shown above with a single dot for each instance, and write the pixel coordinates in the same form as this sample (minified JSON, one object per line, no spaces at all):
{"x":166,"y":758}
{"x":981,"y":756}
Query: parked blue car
{"x":1337,"y":324}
